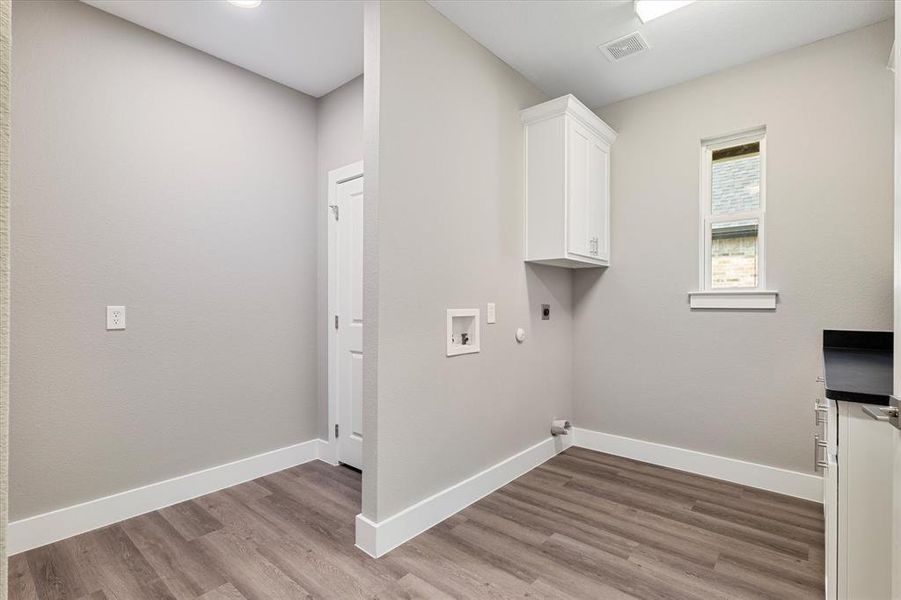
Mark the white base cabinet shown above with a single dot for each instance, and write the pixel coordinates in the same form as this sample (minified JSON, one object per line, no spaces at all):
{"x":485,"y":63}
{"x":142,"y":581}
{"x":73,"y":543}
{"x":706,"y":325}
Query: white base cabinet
{"x":567,"y":202}
{"x":828,"y":464}
{"x":858,"y":505}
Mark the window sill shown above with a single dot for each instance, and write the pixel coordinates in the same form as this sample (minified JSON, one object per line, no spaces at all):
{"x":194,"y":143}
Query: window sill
{"x":733,"y":300}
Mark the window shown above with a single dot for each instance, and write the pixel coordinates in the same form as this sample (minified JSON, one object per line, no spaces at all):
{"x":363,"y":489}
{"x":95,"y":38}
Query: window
{"x":733,"y":205}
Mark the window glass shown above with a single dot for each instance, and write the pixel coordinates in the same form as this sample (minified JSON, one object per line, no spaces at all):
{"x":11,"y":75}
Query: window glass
{"x":735,"y":179}
{"x":733,"y":254}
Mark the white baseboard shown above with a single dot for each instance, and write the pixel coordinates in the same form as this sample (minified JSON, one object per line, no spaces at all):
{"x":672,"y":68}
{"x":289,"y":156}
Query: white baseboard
{"x":377,"y":539}
{"x":63,"y":523}
{"x":774,"y":479}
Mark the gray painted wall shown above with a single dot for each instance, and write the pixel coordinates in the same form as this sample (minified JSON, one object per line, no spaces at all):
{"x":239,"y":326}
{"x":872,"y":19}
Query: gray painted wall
{"x":372,"y":67}
{"x":340,"y":143}
{"x":152,"y":175}
{"x":449,"y":235}
{"x":741,"y":385}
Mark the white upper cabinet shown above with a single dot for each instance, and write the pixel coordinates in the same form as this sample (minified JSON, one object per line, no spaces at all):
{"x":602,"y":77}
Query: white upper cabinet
{"x":567,"y":204}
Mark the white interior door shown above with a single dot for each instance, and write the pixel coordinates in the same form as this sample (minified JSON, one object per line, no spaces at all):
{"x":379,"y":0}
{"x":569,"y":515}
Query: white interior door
{"x":349,"y":321}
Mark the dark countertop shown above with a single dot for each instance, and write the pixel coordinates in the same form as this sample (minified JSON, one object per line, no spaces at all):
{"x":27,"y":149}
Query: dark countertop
{"x":858,"y":365}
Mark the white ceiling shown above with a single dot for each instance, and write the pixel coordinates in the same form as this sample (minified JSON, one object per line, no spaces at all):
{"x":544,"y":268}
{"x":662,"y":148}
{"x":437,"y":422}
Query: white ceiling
{"x":312,"y":46}
{"x":315,"y":46}
{"x":554,"y":44}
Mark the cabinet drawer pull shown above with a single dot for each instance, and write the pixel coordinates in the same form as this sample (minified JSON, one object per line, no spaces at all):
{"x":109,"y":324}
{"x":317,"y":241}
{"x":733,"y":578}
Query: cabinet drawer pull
{"x":821,"y":415}
{"x":820,"y":463}
{"x":880,"y":413}
{"x":821,"y":412}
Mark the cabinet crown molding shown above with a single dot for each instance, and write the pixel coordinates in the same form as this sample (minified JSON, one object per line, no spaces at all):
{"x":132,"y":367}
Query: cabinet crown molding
{"x":569,"y":105}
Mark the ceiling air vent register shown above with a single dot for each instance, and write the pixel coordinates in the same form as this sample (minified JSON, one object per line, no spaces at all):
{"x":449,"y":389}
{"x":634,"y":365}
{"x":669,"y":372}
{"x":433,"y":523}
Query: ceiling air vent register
{"x":624,"y":47}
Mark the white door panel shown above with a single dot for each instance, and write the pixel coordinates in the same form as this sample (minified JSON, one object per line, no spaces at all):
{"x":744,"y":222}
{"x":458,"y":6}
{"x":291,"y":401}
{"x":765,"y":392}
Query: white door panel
{"x":350,"y":322}
{"x":598,"y":188}
{"x":587,"y":167}
{"x":578,"y":219}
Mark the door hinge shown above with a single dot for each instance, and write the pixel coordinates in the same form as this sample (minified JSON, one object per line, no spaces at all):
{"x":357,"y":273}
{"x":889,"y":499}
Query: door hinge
{"x":336,"y":321}
{"x":334,"y":208}
{"x":336,"y":430}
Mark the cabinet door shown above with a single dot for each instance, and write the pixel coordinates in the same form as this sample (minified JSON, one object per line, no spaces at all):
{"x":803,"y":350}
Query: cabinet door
{"x":578,"y":188}
{"x":830,"y":495}
{"x":598,"y":200}
{"x":587,"y":163}
{"x":864,"y":500}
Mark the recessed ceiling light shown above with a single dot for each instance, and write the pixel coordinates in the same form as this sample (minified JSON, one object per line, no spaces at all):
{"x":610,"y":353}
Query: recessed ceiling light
{"x":651,"y":9}
{"x":245,"y":3}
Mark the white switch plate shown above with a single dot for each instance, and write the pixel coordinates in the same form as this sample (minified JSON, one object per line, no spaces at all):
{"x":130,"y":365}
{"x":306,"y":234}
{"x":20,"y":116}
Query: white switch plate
{"x":490,"y":316}
{"x":115,"y":317}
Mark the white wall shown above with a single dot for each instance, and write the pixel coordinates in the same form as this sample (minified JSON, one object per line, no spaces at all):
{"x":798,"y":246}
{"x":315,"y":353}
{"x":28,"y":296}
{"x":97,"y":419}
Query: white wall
{"x":340,"y":143}
{"x":372,"y":67}
{"x":741,"y":384}
{"x":152,"y":175}
{"x":449,"y":219}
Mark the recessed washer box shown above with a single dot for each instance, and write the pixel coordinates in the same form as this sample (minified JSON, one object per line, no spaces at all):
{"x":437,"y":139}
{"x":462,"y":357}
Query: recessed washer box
{"x":462,"y":331}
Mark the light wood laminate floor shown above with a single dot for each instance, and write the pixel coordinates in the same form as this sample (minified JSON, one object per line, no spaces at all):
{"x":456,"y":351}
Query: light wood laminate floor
{"x":583,"y":525}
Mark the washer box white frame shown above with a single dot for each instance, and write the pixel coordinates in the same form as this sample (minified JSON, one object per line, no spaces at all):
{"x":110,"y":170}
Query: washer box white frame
{"x":458,"y":314}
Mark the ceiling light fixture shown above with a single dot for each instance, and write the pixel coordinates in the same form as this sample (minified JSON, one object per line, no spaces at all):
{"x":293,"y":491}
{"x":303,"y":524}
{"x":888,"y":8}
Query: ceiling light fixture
{"x":245,"y":3}
{"x":648,"y":10}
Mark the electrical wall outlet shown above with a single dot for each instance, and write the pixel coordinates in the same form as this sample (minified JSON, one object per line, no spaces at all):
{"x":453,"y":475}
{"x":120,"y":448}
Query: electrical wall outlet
{"x":115,"y":317}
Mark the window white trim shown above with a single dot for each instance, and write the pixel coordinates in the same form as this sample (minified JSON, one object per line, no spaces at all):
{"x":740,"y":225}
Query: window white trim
{"x":707,"y":296}
{"x":733,"y":299}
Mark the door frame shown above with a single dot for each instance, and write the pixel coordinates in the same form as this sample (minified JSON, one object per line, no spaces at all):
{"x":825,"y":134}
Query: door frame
{"x":335,"y":178}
